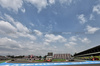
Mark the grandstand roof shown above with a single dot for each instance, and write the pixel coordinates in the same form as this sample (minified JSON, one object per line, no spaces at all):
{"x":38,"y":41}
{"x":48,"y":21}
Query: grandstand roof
{"x":91,"y":51}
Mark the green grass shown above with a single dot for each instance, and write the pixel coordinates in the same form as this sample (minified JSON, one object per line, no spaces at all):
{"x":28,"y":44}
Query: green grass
{"x":58,"y":60}
{"x":2,"y":61}
{"x":38,"y":60}
{"x":98,"y":57}
{"x":89,"y":57}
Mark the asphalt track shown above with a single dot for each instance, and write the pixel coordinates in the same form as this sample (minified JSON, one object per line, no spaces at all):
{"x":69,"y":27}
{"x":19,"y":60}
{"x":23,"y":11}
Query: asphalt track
{"x":82,"y":65}
{"x":86,"y":63}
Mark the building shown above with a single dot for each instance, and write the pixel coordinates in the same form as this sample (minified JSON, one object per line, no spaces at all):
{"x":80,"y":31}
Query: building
{"x":32,"y":57}
{"x":49,"y":58}
{"x":62,"y":56}
{"x":3,"y":58}
{"x":50,"y":54}
{"x":95,"y":51}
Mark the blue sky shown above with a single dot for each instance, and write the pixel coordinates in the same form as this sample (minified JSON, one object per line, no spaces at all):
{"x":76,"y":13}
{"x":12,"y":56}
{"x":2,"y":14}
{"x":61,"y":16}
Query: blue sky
{"x":40,"y":26}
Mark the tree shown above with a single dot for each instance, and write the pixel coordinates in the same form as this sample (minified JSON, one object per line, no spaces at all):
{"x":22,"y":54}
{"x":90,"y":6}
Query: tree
{"x":45,"y":57}
{"x":39,"y":56}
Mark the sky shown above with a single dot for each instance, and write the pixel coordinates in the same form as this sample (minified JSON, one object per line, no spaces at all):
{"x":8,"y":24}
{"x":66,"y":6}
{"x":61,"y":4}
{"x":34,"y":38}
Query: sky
{"x":41,"y":26}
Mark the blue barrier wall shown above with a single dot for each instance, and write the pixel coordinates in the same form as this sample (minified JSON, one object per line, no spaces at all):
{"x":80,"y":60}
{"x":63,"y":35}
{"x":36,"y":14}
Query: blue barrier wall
{"x":49,"y":64}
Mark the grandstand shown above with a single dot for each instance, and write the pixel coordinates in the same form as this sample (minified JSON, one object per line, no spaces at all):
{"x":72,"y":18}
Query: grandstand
{"x":95,"y":51}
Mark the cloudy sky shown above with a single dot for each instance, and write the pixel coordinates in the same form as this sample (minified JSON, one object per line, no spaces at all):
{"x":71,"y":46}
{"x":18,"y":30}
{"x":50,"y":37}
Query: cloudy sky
{"x":40,"y":26}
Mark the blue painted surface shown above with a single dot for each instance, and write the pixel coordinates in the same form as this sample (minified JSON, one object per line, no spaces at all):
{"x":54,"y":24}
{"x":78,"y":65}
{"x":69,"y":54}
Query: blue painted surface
{"x":49,"y":64}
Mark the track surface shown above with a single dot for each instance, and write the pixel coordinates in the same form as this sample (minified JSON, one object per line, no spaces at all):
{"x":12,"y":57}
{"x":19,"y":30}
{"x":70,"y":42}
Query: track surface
{"x":82,"y":65}
{"x":86,"y":63}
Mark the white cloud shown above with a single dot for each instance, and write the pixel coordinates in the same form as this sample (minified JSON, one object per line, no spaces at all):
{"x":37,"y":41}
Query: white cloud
{"x":52,"y":1}
{"x":20,"y":27}
{"x":32,"y":24}
{"x":91,"y":17}
{"x":26,"y":35}
{"x":1,"y":17}
{"x":91,"y":30}
{"x":22,"y":47}
{"x":53,"y":38}
{"x":68,"y":2}
{"x":8,"y":18}
{"x":85,"y":40}
{"x":73,"y":38}
{"x":70,"y":44}
{"x":7,"y":28}
{"x":14,"y":5}
{"x":37,"y":32}
{"x":14,"y":28}
{"x":9,"y":43}
{"x":82,"y":19}
{"x":66,"y":32}
{"x":96,"y":9}
{"x":39,"y":4}
{"x":23,"y":10}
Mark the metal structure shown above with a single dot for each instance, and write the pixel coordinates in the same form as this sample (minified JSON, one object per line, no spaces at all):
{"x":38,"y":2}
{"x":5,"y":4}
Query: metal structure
{"x":62,"y":56}
{"x":95,"y":51}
